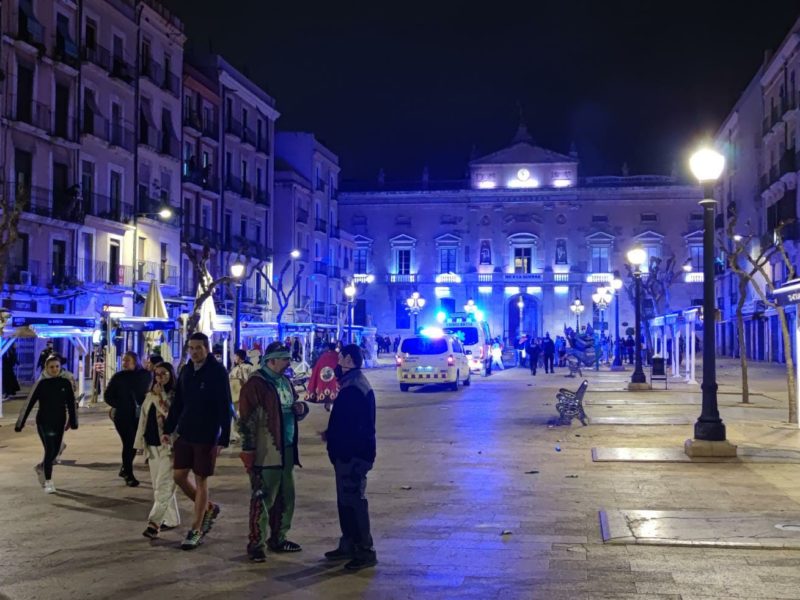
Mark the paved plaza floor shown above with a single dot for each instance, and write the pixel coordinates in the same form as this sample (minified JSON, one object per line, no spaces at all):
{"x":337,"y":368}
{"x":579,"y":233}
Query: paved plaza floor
{"x":475,"y":494}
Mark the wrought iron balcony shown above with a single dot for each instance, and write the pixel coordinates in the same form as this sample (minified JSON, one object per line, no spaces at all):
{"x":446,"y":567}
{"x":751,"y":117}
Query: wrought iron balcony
{"x":202,"y":236}
{"x":262,"y":197}
{"x":302,"y":215}
{"x":320,"y":268}
{"x":36,"y":114}
{"x":321,"y":225}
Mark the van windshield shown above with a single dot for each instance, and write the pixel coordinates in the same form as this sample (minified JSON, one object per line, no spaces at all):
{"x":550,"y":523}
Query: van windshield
{"x":467,"y":335}
{"x":421,"y":345}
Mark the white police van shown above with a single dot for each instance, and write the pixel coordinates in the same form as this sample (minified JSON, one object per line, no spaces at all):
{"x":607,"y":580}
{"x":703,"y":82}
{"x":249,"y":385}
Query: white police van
{"x":432,"y":357}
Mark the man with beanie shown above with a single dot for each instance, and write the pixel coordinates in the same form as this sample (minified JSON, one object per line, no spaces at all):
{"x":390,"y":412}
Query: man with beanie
{"x":351,"y":449}
{"x":268,"y":416}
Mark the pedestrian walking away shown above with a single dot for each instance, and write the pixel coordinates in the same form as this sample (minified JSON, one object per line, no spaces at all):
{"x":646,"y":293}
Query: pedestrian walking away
{"x":534,"y":350}
{"x":549,"y":352}
{"x":155,"y":409}
{"x":323,"y":387}
{"x":10,"y":383}
{"x":56,"y":413}
{"x":351,"y":445}
{"x":200,"y":414}
{"x":125,"y":394}
{"x":240,"y":373}
{"x":268,"y":425}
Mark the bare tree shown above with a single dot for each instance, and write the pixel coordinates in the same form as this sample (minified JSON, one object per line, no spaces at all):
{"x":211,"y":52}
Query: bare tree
{"x":282,"y":296}
{"x":200,"y":260}
{"x":12,"y":205}
{"x":764,"y":291}
{"x":743,"y":264}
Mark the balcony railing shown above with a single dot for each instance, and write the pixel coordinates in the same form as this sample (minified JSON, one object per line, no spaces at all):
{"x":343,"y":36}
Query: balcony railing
{"x":166,"y":80}
{"x":334,"y":271}
{"x":60,"y":275}
{"x":321,"y":225}
{"x":113,"y":273}
{"x":210,"y":129}
{"x":25,"y":110}
{"x":302,"y":215}
{"x":233,"y":184}
{"x":29,"y":28}
{"x":262,"y":197}
{"x":204,"y":177}
{"x":24,"y":274}
{"x":317,"y":307}
{"x":320,"y":268}
{"x":233,"y":127}
{"x":66,"y":51}
{"x":106,"y":207}
{"x":152,"y":206}
{"x":202,"y":235}
{"x":248,"y":136}
{"x":334,"y":232}
{"x":192,"y":119}
{"x":160,"y":271}
{"x":787,"y":163}
{"x":121,"y":135}
{"x":63,"y":205}
{"x":121,"y":69}
{"x":261,"y":145}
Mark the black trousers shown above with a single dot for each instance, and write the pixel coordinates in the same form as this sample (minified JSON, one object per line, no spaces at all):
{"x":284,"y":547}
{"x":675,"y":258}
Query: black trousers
{"x":126,"y":428}
{"x":548,"y":363}
{"x":534,"y":363}
{"x":51,"y":434}
{"x":351,"y":487}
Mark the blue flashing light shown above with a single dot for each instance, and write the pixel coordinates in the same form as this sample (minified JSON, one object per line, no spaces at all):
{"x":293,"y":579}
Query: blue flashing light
{"x":441,"y":316}
{"x":432,"y":332}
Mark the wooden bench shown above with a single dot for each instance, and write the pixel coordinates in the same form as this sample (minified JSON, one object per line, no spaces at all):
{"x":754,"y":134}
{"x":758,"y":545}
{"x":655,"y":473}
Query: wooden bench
{"x":569,"y":404}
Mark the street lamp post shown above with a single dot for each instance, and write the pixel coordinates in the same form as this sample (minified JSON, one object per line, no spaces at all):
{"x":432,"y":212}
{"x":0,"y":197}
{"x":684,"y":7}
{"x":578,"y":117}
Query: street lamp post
{"x":237,"y":272}
{"x":616,"y":285}
{"x":602,"y":298}
{"x":577,"y":308}
{"x":350,"y":294}
{"x":415,"y":302}
{"x":636,"y":257}
{"x":709,"y":430}
{"x":164,"y":213}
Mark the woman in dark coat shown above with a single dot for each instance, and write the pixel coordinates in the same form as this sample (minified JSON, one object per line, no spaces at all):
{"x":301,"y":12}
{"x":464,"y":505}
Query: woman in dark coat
{"x":56,"y":411}
{"x":125,"y":394}
{"x":10,"y":383}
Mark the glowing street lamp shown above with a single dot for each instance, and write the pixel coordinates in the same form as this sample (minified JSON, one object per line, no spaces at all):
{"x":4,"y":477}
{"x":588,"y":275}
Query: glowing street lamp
{"x":577,"y":308}
{"x":237,"y":273}
{"x":636,"y":257}
{"x":414,"y":305}
{"x":616,"y":285}
{"x":707,"y":165}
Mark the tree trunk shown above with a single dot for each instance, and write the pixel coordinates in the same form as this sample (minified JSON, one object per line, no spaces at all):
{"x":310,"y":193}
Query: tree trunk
{"x":742,"y":343}
{"x":790,"y":377}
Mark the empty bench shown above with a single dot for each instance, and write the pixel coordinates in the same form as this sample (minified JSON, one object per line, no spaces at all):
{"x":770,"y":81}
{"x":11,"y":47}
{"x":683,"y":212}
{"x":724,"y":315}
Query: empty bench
{"x":569,"y":404}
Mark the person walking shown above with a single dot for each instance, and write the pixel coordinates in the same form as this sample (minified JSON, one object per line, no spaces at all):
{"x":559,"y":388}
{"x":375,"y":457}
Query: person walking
{"x":125,"y":394}
{"x":239,"y":374}
{"x":549,"y":351}
{"x":534,"y":350}
{"x":351,"y":445}
{"x":164,"y":513}
{"x":497,"y":354}
{"x":200,"y":414}
{"x":56,"y":412}
{"x":44,"y":355}
{"x":10,"y":383}
{"x":268,"y":424}
{"x":323,"y":387}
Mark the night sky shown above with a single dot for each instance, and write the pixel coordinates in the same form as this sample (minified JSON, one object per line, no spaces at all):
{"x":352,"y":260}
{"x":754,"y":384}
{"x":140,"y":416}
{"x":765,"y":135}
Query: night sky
{"x":403,"y":85}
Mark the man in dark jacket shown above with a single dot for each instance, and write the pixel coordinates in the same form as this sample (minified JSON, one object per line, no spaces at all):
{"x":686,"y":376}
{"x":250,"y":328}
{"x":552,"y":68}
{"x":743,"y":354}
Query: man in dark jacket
{"x":534,"y":350}
{"x":351,"y":449}
{"x":125,"y":394}
{"x":269,"y":415}
{"x":549,"y":351}
{"x":201,"y":416}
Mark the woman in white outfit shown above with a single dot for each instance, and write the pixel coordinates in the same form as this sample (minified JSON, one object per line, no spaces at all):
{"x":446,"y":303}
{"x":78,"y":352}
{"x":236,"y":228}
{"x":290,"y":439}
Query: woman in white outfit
{"x":164,"y":514}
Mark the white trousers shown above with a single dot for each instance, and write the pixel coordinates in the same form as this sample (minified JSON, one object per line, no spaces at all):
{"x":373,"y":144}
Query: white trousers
{"x":165,"y":505}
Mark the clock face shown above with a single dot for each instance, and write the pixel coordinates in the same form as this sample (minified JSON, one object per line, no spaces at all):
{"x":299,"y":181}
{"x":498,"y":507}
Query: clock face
{"x":523,"y":174}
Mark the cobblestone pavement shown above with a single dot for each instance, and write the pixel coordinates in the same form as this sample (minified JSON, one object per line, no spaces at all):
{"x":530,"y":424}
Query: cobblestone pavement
{"x":455,"y":470}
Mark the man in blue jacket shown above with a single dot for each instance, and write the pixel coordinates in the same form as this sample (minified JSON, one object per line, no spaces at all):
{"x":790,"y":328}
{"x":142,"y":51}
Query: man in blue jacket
{"x":201,"y":416}
{"x":351,"y":449}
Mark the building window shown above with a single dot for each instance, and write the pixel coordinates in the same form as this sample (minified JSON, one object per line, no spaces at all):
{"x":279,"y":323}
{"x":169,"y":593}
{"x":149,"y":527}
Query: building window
{"x":649,"y":218}
{"x":653,"y":254}
{"x":447,"y":260}
{"x":523,"y":260}
{"x":600,"y":259}
{"x":404,"y":261}
{"x":243,"y":227}
{"x":696,"y":255}
{"x":599,"y":218}
{"x":360,"y":260}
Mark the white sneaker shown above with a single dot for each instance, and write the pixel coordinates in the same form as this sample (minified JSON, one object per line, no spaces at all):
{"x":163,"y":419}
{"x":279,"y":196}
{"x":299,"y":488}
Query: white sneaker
{"x":60,"y":452}
{"x":39,"y":473}
{"x":49,"y":487}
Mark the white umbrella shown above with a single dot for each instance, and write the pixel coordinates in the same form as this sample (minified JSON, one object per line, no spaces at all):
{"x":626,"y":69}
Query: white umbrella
{"x":207,"y":310}
{"x":154,"y":308}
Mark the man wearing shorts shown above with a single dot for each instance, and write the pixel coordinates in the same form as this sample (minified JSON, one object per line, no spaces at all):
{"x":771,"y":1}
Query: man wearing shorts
{"x":200,"y":414}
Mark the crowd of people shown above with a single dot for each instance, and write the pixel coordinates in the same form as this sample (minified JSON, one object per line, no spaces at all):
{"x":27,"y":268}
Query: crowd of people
{"x":180,"y":422}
